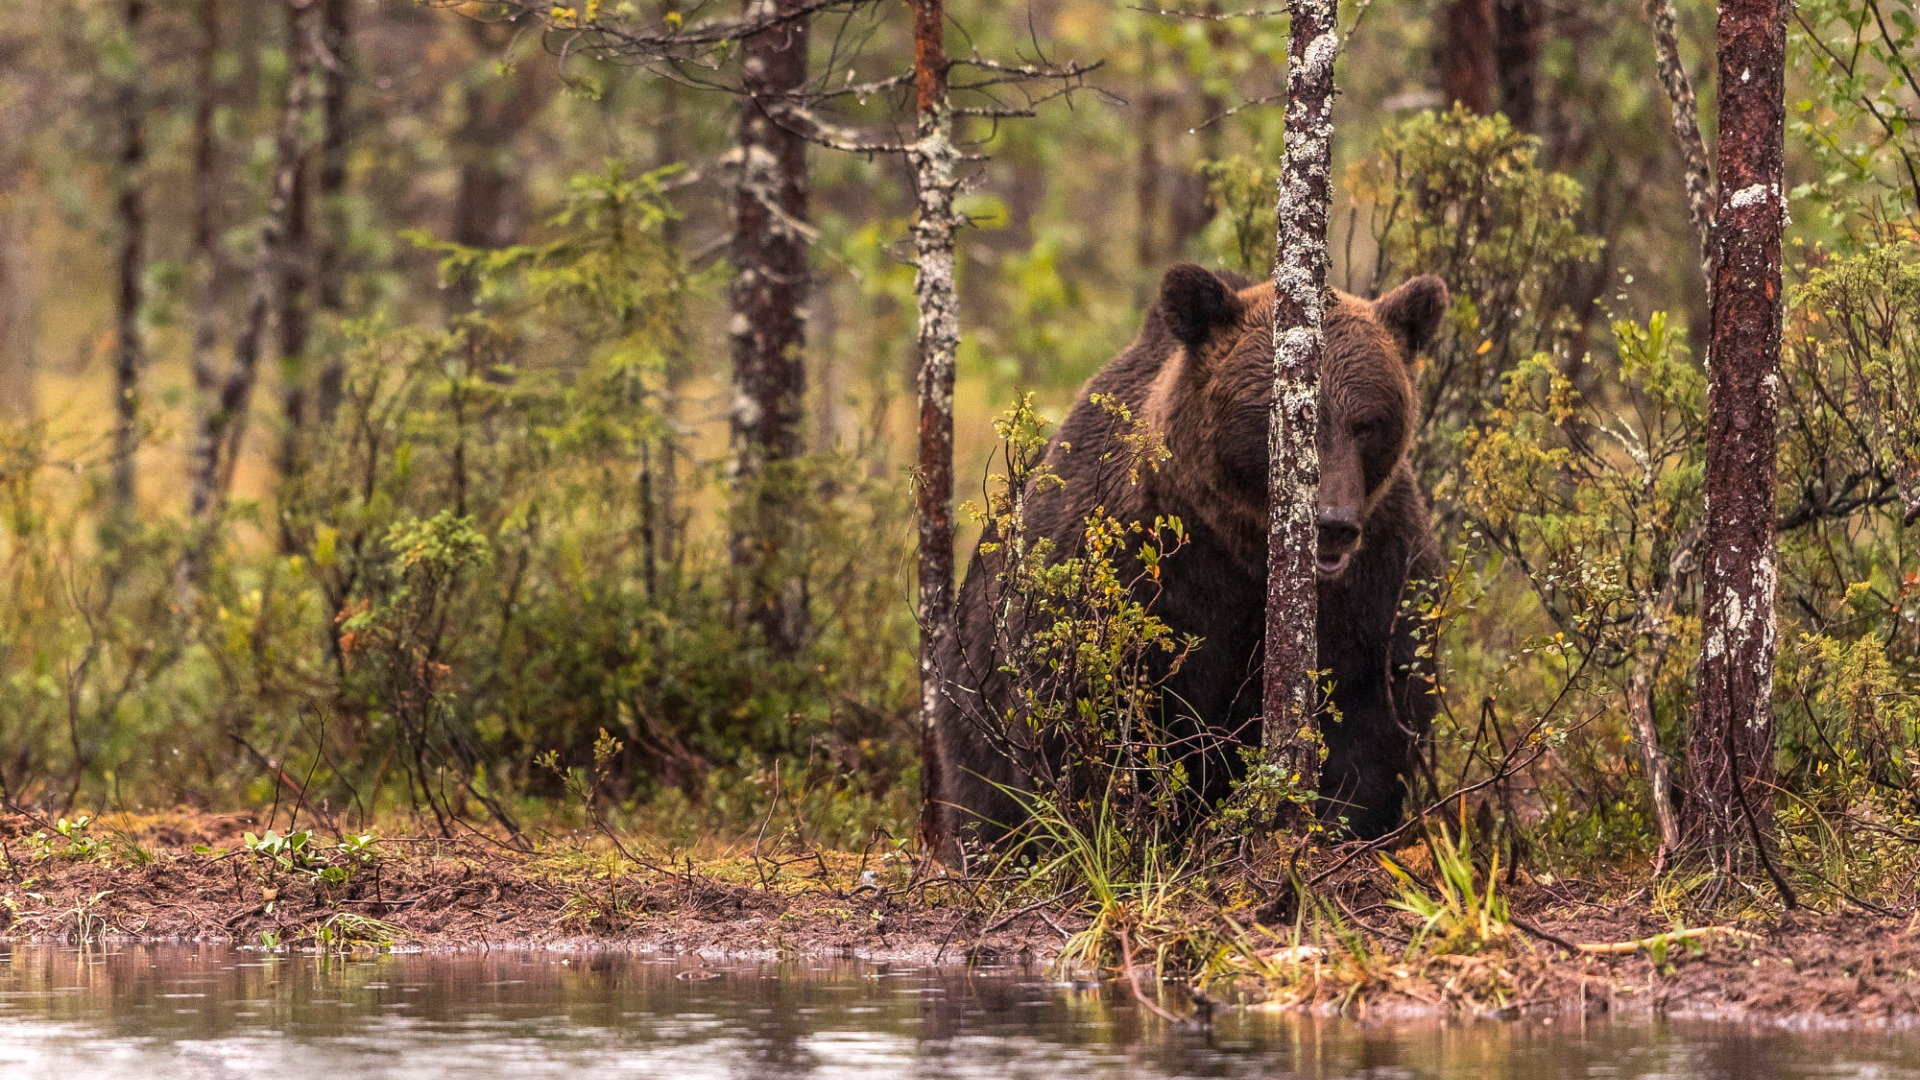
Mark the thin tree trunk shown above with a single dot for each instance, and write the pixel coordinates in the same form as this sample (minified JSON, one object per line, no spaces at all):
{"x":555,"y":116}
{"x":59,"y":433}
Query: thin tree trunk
{"x":1659,"y":631}
{"x":1686,"y":128}
{"x":130,"y":212}
{"x":217,"y":443}
{"x":487,"y":196}
{"x":1466,"y":54}
{"x":295,"y":317}
{"x":1517,"y":27}
{"x":933,"y":158}
{"x":330,"y":188}
{"x":1731,"y":753}
{"x":1293,"y":469}
{"x":767,"y":324}
{"x":204,"y":228}
{"x":16,"y":333}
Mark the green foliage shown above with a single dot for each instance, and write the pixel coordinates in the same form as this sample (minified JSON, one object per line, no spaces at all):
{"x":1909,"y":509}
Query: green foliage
{"x":1458,"y":915}
{"x":1084,"y":653}
{"x":1465,"y":197}
{"x":1857,"y":114}
{"x":1240,"y":192}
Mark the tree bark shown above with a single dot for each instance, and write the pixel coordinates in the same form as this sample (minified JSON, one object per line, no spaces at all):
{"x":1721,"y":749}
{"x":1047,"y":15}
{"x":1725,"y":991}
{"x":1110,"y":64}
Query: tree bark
{"x":295,"y":316}
{"x":1517,"y":27}
{"x":1731,"y":753}
{"x":1293,"y":468}
{"x":933,"y":158}
{"x":203,"y":230}
{"x":217,"y":443}
{"x":130,"y":212}
{"x":1466,"y":56}
{"x":330,"y":189}
{"x":488,"y":193}
{"x":1686,"y":128}
{"x":767,"y":322}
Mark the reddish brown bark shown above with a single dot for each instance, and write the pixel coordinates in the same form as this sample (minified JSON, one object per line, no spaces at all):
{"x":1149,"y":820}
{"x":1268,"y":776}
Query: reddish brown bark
{"x":1293,"y":478}
{"x":1731,"y":752}
{"x":130,"y":213}
{"x":767,"y":324}
{"x":1466,"y":54}
{"x":932,"y":158}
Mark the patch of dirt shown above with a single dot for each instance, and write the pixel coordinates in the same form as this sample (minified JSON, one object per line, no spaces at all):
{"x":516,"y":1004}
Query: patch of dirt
{"x":453,"y":894}
{"x":190,"y":877}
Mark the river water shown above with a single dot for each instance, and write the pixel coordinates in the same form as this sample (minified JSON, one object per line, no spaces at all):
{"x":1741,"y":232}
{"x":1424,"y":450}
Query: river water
{"x":161,"y":1012}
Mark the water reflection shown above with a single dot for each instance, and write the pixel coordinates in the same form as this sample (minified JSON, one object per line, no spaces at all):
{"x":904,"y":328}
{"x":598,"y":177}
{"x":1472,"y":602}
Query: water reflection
{"x":159,"y":1012}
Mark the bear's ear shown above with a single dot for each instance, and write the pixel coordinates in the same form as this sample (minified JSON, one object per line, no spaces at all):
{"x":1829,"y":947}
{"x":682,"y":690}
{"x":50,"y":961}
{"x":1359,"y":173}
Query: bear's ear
{"x":1196,"y":304}
{"x":1412,"y":312}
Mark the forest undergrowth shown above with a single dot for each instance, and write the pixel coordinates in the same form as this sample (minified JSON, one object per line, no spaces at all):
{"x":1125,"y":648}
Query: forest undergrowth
{"x":492,"y":661}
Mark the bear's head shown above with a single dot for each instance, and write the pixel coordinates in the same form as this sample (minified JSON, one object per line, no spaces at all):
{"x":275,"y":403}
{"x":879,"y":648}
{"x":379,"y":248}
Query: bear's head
{"x":1212,"y":400}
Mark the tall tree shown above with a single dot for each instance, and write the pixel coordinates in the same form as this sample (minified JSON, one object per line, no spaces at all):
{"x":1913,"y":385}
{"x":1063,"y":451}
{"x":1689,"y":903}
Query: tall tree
{"x":1730,"y":760}
{"x":203,"y":226}
{"x":1659,"y":624}
{"x":767,"y":320}
{"x":223,"y":422}
{"x":1489,"y":56}
{"x":130,"y":214}
{"x":487,"y":194}
{"x":932,"y":157}
{"x":1293,"y":454}
{"x":330,"y":183}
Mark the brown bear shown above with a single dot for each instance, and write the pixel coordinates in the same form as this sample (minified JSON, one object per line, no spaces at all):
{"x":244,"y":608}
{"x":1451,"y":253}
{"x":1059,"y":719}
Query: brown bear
{"x":1200,"y":375}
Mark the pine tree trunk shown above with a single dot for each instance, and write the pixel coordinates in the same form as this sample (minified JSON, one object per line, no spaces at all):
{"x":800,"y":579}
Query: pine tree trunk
{"x":1731,"y":754}
{"x":1293,"y":477}
{"x":767,"y":324}
{"x":1517,"y":27}
{"x":330,"y":189}
{"x":1466,"y":54}
{"x":932,"y":158}
{"x":130,"y":212}
{"x":487,"y":196}
{"x":217,"y":443}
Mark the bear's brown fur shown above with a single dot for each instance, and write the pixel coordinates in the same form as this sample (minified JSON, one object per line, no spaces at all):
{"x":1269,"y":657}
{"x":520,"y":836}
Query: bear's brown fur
{"x":1201,"y":375}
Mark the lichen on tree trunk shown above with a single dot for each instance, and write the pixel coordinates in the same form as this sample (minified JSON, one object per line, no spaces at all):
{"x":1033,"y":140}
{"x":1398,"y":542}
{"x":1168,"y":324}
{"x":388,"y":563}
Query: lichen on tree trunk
{"x":932,"y":159}
{"x":223,"y":422}
{"x":129,"y":355}
{"x":1731,"y":755}
{"x":767,"y":322}
{"x":1293,"y":478}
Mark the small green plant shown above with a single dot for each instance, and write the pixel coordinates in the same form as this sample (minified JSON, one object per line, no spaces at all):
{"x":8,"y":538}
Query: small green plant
{"x":1458,"y":916}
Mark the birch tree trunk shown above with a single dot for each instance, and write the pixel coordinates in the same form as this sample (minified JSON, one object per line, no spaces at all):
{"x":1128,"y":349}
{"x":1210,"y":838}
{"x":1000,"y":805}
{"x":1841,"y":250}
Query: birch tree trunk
{"x":1731,"y":752}
{"x":1686,"y":128}
{"x":932,"y":158}
{"x":767,"y":323}
{"x":217,"y":443}
{"x":1293,"y":468}
{"x":130,"y":213}
{"x":1658,"y":621}
{"x":203,"y":229}
{"x":330,"y":190}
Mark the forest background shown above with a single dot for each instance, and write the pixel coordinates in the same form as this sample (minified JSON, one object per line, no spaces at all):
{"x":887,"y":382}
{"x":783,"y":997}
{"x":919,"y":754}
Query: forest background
{"x":372,"y":412}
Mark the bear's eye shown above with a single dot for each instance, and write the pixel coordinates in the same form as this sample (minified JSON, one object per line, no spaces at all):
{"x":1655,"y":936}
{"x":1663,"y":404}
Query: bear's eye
{"x":1369,"y":429}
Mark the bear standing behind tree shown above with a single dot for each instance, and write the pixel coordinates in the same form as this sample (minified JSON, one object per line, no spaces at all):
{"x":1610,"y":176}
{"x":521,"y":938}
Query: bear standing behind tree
{"x":1200,"y":376}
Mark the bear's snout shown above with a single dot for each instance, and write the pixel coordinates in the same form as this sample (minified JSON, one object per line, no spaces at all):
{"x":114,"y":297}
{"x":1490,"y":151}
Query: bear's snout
{"x":1339,"y":537}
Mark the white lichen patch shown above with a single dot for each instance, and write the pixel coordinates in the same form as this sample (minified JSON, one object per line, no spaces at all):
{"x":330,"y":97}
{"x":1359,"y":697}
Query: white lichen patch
{"x":1751,"y":195}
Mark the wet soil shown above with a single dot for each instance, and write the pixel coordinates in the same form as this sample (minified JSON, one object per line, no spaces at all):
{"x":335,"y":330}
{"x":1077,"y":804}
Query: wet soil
{"x":191,"y":877}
